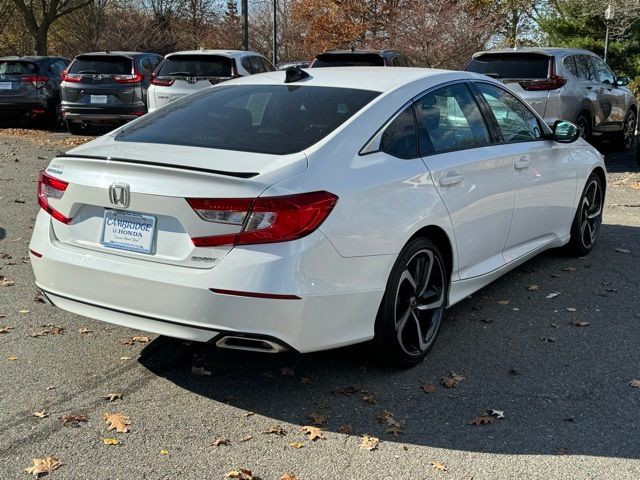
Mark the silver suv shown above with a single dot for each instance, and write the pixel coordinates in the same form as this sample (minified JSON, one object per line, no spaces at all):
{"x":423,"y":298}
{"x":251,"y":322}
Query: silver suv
{"x":566,"y":84}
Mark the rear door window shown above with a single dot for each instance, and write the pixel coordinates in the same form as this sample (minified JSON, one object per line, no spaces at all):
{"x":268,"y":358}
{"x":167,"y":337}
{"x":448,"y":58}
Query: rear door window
{"x":273,"y":119}
{"x":103,"y":64}
{"x":348,"y":60}
{"x":256,"y":65}
{"x":511,"y":65}
{"x":197,"y":66}
{"x":17,"y":68}
{"x":246,"y":64}
{"x":569,"y":62}
{"x":584,"y":68}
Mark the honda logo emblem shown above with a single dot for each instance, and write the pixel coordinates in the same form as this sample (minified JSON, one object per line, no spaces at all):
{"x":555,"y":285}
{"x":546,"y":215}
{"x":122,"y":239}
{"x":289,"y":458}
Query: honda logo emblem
{"x":119,"y":195}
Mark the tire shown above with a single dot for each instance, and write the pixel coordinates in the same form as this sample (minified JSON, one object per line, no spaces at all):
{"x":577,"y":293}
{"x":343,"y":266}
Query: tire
{"x":56,"y":120}
{"x":584,"y":122}
{"x":588,"y":219}
{"x":76,"y":128}
{"x":413,"y":306}
{"x":624,"y":139}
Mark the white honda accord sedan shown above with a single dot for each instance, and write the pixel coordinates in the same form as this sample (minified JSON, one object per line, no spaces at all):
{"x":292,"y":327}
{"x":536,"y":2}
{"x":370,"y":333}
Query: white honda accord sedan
{"x":306,"y":210}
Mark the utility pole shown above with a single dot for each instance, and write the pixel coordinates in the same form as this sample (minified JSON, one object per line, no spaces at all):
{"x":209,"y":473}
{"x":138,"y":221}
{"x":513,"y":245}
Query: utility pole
{"x":245,"y":24}
{"x":275,"y":32}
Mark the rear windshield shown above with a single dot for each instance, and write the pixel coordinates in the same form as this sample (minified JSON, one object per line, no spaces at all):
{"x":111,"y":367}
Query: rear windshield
{"x":511,"y":65}
{"x":348,"y":60}
{"x":196,"y":65}
{"x":101,"y":64}
{"x":17,"y":68}
{"x":274,"y":119}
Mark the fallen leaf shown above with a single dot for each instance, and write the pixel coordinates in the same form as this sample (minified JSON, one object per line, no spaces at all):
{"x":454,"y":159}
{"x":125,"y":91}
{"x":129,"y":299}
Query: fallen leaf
{"x":452,"y":380}
{"x":219,"y":442}
{"x":117,"y":421}
{"x":482,"y":420}
{"x":571,"y":309}
{"x":394,"y":430}
{"x":370,"y":399}
{"x":569,"y":269}
{"x":296,"y":445}
{"x":136,"y":339}
{"x":164,"y":452}
{"x":314,"y":433}
{"x":12,"y":358}
{"x":110,"y":397}
{"x":288,"y":476}
{"x":531,"y":288}
{"x":74,"y":419}
{"x":286,"y":372}
{"x":346,"y":429}
{"x":635,"y":383}
{"x":43,"y":466}
{"x":200,"y":371}
{"x":305,"y":380}
{"x":429,"y":388}
{"x":346,"y":391}
{"x":387,"y":418}
{"x":503,"y":302}
{"x":246,"y":438}
{"x":41,"y":333}
{"x":369,"y":443}
{"x":6,"y":329}
{"x":554,"y":294}
{"x":41,"y":414}
{"x":439,"y":466}
{"x":581,"y":323}
{"x":241,"y":474}
{"x":317,"y":419}
{"x":276,"y":430}
{"x":496,"y":413}
{"x":85,"y":330}
{"x":111,"y":441}
{"x":7,"y":283}
{"x":124,"y":359}
{"x":622,"y":250}
{"x":23,"y":311}
{"x":548,"y":339}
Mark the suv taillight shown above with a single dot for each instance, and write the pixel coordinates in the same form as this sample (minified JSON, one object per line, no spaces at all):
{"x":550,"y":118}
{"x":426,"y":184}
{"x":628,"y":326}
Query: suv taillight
{"x":552,"y":83}
{"x":50,"y":187}
{"x":161,"y":82}
{"x":70,"y":77}
{"x":135,"y":78}
{"x":264,"y":219}
{"x":38,"y":81}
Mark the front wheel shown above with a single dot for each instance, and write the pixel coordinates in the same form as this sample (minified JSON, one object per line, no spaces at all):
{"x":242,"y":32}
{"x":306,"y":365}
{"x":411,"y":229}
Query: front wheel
{"x":413,"y":305}
{"x":584,"y":124}
{"x":588,"y":219}
{"x":77,"y":128}
{"x":625,"y":138}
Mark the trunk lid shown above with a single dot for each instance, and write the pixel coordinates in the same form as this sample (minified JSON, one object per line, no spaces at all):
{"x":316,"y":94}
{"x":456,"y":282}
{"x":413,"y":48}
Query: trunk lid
{"x":158,"y":180}
{"x":13,"y":75}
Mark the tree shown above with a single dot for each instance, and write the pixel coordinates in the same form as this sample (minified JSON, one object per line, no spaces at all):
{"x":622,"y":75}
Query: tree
{"x":38,"y":18}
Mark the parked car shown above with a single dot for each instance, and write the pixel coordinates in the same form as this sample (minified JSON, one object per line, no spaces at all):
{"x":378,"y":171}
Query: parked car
{"x":361,"y":58}
{"x":182,"y":73}
{"x":106,"y":88}
{"x":297,"y":63}
{"x":566,"y":84}
{"x":304,"y":212}
{"x":30,"y":87}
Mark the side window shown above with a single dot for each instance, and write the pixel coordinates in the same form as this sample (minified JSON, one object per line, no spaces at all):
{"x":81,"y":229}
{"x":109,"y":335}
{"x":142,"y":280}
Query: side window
{"x":515,"y":120}
{"x":450,"y":119}
{"x":256,"y":64}
{"x":396,"y":62}
{"x":246,"y":64}
{"x":569,"y":62}
{"x":399,"y":138}
{"x":583,"y":65}
{"x":603,"y":74}
{"x":266,"y":65}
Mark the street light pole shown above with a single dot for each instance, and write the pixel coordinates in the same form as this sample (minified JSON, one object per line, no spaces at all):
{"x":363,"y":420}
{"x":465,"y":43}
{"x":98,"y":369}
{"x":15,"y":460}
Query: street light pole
{"x":608,"y":16}
{"x":244,"y":5}
{"x":275,"y":32}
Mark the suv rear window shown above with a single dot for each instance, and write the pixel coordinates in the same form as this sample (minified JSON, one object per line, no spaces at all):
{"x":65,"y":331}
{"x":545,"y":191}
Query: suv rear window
{"x":196,"y":65}
{"x":348,"y":60}
{"x":17,"y":68}
{"x":272,"y":119}
{"x":106,"y":64}
{"x":511,"y":65}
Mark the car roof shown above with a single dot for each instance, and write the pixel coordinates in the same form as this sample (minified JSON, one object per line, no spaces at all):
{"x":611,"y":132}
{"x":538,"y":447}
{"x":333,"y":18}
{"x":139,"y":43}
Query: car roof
{"x":224,"y":53}
{"x":543,"y":50}
{"x":117,"y":53}
{"x":29,"y":58}
{"x":357,"y":52}
{"x":361,"y":78}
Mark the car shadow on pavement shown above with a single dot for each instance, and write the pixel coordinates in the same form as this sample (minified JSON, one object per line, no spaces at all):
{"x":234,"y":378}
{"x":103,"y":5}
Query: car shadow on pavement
{"x":563,"y":385}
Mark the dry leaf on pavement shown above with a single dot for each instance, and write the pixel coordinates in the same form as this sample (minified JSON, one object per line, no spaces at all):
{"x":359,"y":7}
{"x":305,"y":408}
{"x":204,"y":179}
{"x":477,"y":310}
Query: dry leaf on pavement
{"x":581,"y":323}
{"x":219,"y":442}
{"x":305,"y":380}
{"x":241,"y":474}
{"x":43,"y":466}
{"x":503,"y":302}
{"x":6,"y":329}
{"x":246,"y":438}
{"x":317,"y":419}
{"x":276,"y":430}
{"x":41,"y":414}
{"x":164,"y":451}
{"x":623,"y":250}
{"x":496,"y":413}
{"x":482,"y":420}
{"x":117,"y":421}
{"x":531,"y":288}
{"x":136,"y":339}
{"x":569,"y":269}
{"x":439,"y":466}
{"x":452,"y":380}
{"x":287,"y":372}
{"x":346,"y":429}
{"x":314,"y":433}
{"x":635,"y":383}
{"x":288,"y":476}
{"x":394,"y":430}
{"x":296,"y":445}
{"x":111,"y":397}
{"x":428,"y":388}
{"x":200,"y":371}
{"x":553,"y":294}
{"x":12,"y":358}
{"x":74,"y":419}
{"x":85,"y":330}
{"x":369,"y":443}
{"x":111,"y":441}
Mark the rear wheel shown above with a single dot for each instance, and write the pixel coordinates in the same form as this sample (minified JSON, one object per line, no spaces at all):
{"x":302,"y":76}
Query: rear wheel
{"x":76,"y":128}
{"x":413,"y":305}
{"x":586,"y":224}
{"x":56,"y":119}
{"x":625,"y":138}
{"x":584,"y":123}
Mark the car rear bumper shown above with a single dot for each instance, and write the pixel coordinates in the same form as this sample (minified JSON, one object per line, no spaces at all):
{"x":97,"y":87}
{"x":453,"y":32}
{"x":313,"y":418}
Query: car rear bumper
{"x":22,"y":106}
{"x":336,"y":298}
{"x":102,"y":115}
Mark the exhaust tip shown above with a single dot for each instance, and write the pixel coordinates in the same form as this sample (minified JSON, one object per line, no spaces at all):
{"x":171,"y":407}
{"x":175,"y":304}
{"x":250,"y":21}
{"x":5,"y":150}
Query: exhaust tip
{"x":250,"y":344}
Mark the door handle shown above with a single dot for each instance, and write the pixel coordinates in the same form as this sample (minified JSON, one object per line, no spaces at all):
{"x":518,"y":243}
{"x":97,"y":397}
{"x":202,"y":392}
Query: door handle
{"x":522,"y":163}
{"x":589,"y":88}
{"x":451,"y":178}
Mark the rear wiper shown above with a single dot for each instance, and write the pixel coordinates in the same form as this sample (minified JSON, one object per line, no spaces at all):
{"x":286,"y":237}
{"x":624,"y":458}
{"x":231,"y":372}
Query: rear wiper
{"x":178,"y":73}
{"x":87,"y":71}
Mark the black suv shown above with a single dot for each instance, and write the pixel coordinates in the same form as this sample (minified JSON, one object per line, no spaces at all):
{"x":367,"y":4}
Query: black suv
{"x":30,"y":87}
{"x":361,"y":58}
{"x":106,"y":88}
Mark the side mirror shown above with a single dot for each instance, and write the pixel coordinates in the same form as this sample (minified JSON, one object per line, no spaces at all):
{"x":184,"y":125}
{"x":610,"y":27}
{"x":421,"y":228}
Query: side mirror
{"x":622,"y":81}
{"x":565,"y":132}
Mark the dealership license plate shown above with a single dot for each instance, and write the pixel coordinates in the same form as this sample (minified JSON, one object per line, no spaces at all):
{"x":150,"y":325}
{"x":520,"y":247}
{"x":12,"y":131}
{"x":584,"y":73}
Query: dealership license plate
{"x":99,"y":99}
{"x":129,"y":231}
{"x":5,"y":85}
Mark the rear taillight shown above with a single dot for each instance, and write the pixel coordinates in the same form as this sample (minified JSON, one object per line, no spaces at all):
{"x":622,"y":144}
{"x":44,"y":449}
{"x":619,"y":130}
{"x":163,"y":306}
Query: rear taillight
{"x":161,"y":82}
{"x":135,"y":78}
{"x":552,"y":83}
{"x":50,"y":187}
{"x":70,"y":77}
{"x":38,"y":81}
{"x":265,"y":219}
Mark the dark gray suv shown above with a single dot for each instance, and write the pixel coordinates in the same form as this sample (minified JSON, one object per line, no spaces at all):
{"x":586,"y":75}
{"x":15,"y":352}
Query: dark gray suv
{"x":106,"y":88}
{"x":30,"y":87}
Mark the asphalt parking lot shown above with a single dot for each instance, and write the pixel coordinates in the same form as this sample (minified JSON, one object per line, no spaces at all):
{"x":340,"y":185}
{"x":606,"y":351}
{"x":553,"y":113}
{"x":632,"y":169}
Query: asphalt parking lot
{"x":558,"y":366}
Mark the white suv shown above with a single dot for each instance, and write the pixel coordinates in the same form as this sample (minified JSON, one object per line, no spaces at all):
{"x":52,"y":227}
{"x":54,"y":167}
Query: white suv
{"x":182,"y":73}
{"x":566,"y":84}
